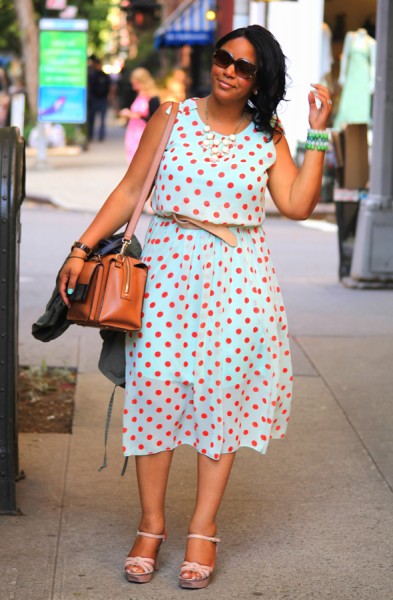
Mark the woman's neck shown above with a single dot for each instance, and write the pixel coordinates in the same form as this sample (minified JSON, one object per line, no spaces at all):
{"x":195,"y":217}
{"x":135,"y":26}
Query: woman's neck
{"x":222,"y":113}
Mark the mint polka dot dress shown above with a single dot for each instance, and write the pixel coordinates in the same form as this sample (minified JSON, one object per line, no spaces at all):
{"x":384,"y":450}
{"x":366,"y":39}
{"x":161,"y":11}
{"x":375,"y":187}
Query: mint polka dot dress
{"x":211,"y":365}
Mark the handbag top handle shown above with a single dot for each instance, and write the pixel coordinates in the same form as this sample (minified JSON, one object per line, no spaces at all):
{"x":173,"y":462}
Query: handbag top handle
{"x":149,"y":181}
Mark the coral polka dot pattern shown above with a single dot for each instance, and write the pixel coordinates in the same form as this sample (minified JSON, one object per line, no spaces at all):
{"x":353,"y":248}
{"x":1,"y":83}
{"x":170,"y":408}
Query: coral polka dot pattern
{"x":211,"y":365}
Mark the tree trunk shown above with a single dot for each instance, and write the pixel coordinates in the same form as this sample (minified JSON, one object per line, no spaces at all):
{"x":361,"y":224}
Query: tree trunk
{"x":29,"y":38}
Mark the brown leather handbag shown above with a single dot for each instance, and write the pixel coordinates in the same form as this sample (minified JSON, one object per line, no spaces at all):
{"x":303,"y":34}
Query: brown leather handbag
{"x":110,"y":289}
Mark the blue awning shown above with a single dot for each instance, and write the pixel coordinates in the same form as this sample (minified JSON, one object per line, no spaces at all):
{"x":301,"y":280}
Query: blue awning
{"x":187,"y":25}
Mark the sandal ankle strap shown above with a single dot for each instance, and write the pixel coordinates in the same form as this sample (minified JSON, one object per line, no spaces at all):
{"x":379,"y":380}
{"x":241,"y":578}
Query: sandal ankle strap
{"x":152,"y":535}
{"x":215,"y":540}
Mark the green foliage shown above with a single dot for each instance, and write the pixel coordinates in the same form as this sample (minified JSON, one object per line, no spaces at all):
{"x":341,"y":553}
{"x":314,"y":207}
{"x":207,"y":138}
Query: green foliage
{"x":42,"y":378}
{"x":9,"y":31}
{"x":9,"y":38}
{"x":75,"y":134}
{"x":95,"y":11}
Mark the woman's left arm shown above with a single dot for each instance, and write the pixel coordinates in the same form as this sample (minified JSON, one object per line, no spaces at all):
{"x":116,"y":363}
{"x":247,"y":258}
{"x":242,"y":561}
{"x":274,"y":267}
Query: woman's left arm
{"x":296,"y":191}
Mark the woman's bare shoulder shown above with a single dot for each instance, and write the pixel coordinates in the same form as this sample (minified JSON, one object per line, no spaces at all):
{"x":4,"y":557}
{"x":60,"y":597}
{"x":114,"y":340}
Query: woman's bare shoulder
{"x":166,"y":107}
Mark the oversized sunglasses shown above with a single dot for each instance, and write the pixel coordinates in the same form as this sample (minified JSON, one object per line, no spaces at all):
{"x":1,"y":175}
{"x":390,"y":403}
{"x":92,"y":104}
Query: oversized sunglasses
{"x":243,"y":67}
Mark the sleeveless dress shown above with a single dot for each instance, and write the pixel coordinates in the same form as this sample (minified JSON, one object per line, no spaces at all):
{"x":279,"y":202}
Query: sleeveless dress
{"x":355,"y":101}
{"x":211,"y":365}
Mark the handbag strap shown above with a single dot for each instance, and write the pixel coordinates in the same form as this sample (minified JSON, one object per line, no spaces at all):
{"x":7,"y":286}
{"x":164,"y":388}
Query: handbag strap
{"x":149,"y":181}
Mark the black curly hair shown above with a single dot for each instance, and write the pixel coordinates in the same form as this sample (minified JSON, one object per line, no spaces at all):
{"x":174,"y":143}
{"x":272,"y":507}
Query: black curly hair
{"x":271,"y":76}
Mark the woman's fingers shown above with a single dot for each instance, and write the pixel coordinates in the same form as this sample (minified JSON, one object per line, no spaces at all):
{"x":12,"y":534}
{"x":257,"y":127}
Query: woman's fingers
{"x":64,"y":277}
{"x":68,"y":278}
{"x":63,"y":289}
{"x":322,"y":93}
{"x":319,"y":115}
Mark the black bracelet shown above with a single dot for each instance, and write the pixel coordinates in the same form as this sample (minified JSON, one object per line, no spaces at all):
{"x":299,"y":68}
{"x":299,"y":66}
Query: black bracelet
{"x":74,"y":256}
{"x":81,"y":246}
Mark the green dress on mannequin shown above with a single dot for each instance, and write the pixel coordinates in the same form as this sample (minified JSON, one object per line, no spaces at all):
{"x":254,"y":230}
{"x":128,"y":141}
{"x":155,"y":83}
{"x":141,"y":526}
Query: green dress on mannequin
{"x":357,"y":78}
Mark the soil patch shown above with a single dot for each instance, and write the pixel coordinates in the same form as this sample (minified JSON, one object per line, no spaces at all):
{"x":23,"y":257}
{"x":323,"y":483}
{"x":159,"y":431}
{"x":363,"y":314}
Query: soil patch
{"x":46,"y":399}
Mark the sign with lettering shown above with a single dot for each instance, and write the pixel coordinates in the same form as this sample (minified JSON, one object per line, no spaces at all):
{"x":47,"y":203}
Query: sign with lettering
{"x":62,"y":80}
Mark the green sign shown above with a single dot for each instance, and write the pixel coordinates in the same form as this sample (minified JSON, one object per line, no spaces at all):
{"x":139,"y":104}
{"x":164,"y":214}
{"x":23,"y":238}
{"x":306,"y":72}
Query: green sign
{"x":62,"y":71}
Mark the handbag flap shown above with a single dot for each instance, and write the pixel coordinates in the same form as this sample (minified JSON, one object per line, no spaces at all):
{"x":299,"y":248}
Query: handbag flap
{"x":88,"y":271}
{"x":85,"y":278}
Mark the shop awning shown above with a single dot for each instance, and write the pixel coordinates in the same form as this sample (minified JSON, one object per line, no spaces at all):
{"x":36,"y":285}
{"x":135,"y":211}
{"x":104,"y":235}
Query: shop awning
{"x":187,"y":25}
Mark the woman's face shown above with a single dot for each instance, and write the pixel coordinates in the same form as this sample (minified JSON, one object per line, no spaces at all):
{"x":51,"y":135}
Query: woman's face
{"x":226,"y":84}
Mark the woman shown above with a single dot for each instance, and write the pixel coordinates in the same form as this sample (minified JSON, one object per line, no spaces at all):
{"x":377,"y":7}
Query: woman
{"x":211,"y":365}
{"x":144,"y":105}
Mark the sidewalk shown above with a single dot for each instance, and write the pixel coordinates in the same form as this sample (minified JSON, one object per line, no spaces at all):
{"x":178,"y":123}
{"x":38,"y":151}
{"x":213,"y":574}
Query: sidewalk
{"x":312,"y":520}
{"x":61,"y":182}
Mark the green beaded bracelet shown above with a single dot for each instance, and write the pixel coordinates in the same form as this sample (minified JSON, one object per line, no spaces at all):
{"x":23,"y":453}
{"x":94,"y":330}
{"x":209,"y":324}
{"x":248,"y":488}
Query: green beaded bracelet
{"x":317,"y":146}
{"x":317,"y":140}
{"x":317,"y":134}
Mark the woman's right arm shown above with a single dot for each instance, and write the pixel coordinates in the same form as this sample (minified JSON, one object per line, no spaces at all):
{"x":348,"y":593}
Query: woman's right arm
{"x":119,"y":206}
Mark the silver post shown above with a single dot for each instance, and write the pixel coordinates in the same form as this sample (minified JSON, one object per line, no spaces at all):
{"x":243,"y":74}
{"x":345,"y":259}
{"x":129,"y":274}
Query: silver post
{"x":372,"y":260}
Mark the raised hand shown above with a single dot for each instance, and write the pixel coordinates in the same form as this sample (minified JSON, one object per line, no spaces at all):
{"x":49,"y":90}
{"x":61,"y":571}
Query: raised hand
{"x":319,"y":115}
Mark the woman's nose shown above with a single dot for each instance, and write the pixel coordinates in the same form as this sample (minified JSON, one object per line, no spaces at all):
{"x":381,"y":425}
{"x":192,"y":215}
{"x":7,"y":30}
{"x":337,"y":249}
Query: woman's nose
{"x":229,"y":71}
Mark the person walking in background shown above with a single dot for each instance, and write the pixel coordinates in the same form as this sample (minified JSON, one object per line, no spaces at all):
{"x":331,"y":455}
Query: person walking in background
{"x":143,"y":107}
{"x":90,"y":76}
{"x":99,"y":87}
{"x":211,"y":365}
{"x":125,"y":94}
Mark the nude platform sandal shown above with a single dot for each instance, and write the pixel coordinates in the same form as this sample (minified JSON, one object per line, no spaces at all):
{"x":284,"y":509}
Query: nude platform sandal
{"x":203,"y":572}
{"x":149,"y":565}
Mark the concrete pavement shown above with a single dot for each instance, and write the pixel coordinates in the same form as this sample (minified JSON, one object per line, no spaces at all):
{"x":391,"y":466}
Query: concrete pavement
{"x":76,"y":179}
{"x":311,"y":520}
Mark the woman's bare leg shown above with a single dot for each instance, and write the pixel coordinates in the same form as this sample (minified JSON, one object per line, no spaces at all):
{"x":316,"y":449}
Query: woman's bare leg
{"x":152,"y":474}
{"x":213,"y":476}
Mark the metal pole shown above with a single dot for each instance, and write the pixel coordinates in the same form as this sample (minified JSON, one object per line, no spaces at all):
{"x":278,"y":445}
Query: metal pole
{"x":381,"y":187}
{"x":373,"y":250}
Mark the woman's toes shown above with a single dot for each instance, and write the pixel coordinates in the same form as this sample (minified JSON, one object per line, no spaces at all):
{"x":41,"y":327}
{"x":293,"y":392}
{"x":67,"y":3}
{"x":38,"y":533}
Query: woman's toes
{"x":190,"y":575}
{"x":135,"y":569}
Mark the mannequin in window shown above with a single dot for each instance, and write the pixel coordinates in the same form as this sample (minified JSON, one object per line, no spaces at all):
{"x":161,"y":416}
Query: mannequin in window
{"x":357,"y":78}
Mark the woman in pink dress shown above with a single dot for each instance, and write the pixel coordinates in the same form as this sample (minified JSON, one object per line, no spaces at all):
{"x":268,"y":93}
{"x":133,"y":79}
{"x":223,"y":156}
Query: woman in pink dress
{"x":145,"y":103}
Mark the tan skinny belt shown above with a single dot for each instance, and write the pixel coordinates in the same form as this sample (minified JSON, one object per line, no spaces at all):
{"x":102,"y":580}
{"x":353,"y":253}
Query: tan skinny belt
{"x":220,"y":231}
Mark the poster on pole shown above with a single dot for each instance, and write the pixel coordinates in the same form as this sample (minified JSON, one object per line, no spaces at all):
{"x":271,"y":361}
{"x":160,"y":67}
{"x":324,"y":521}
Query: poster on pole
{"x":62,"y":76}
